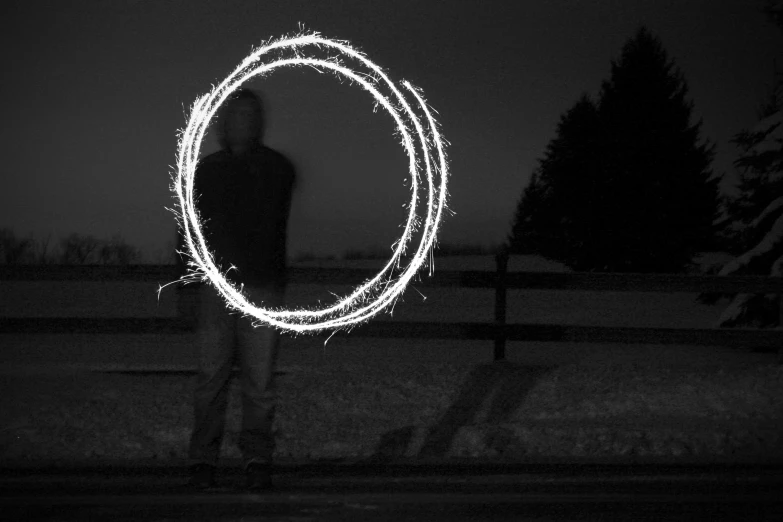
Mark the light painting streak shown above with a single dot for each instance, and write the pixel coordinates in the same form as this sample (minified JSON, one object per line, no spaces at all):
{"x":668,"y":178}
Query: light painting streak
{"x":423,"y":143}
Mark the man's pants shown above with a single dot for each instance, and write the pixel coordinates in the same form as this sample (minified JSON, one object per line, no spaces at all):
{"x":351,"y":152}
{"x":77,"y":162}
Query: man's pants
{"x":224,"y":337}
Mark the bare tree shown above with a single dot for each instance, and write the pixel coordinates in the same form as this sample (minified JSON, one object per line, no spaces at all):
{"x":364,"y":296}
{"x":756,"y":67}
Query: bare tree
{"x":14,"y":250}
{"x":117,"y":252}
{"x":78,"y":249}
{"x":42,"y":255}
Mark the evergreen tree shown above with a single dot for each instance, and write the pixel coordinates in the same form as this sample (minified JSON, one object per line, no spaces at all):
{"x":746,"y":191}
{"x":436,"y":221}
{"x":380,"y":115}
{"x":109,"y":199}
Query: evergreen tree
{"x":664,"y":199}
{"x":625,"y":185}
{"x":760,"y":180}
{"x":774,"y":10}
{"x":759,"y":220}
{"x":525,"y":235}
{"x":555,"y":216}
{"x":757,"y":212}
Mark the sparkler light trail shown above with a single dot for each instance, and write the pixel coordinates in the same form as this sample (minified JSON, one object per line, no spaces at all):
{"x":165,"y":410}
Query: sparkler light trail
{"x":419,"y":135}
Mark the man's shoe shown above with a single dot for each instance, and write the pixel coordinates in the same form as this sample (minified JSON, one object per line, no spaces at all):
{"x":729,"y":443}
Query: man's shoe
{"x":202,"y":476}
{"x":258,"y":477}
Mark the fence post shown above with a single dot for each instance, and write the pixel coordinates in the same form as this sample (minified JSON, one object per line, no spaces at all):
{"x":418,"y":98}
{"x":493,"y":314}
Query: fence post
{"x":501,"y":261}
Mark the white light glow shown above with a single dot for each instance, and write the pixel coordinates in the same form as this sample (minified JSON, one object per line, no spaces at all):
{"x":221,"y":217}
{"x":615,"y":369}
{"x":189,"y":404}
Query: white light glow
{"x":420,"y":138}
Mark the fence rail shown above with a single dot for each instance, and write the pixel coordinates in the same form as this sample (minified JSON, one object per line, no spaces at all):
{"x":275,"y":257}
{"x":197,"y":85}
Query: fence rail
{"x":501,"y":280}
{"x":464,"y":278}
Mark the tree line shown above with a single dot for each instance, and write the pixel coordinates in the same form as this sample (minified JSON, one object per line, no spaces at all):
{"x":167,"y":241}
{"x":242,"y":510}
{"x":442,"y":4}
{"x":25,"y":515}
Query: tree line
{"x":75,"y":249}
{"x":84,"y":249}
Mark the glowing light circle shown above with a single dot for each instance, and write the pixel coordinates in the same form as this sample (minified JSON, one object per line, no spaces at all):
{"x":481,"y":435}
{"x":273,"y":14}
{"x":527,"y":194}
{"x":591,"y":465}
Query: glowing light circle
{"x":422,"y":141}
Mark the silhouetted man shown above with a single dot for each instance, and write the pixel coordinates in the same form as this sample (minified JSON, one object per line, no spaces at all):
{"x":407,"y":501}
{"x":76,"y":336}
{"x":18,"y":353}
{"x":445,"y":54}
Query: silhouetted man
{"x":244,"y":199}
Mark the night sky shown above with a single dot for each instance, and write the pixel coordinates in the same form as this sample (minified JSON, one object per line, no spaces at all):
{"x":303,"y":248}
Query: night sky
{"x":94,"y":93}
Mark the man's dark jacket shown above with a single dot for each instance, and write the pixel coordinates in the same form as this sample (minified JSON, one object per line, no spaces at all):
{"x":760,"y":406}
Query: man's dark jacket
{"x":244,"y":203}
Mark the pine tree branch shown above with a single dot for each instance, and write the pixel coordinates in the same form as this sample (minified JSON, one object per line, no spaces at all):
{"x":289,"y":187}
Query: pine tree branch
{"x":766,"y":245}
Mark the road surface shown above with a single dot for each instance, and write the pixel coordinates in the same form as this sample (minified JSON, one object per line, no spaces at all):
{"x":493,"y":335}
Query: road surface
{"x":376,"y":492}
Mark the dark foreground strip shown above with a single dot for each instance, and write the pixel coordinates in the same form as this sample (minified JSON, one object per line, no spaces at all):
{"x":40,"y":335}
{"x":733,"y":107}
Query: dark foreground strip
{"x":401,"y":493}
{"x":428,"y":483}
{"x":399,"y":506}
{"x":407,"y":467}
{"x":392,"y":497}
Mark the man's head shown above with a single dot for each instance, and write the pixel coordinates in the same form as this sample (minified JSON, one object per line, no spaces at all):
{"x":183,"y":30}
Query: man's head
{"x":242,"y":121}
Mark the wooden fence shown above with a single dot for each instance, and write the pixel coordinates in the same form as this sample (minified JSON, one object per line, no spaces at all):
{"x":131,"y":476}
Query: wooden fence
{"x":499,"y":331}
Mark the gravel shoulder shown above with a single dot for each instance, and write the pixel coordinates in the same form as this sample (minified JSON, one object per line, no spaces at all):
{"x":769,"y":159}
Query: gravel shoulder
{"x":505,"y":411}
